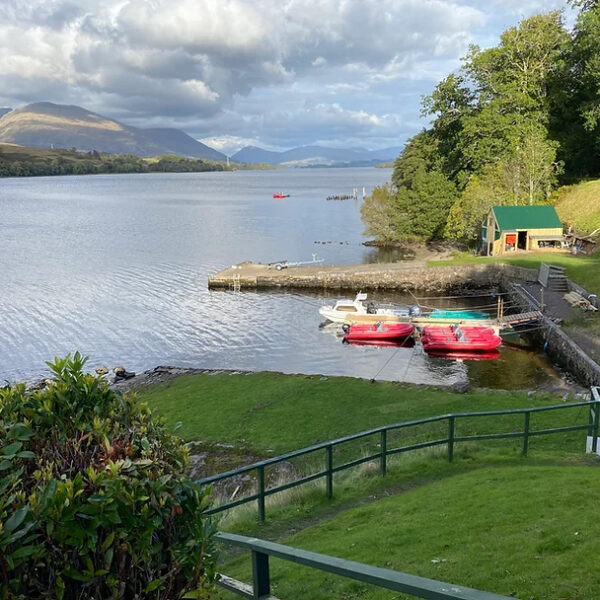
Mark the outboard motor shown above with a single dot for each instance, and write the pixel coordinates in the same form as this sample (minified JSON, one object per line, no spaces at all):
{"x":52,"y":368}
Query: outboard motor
{"x":414,"y":311}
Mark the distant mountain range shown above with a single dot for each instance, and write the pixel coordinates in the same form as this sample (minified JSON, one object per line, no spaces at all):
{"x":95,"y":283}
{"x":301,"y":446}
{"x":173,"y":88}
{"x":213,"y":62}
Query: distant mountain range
{"x":307,"y":156}
{"x":47,"y":125}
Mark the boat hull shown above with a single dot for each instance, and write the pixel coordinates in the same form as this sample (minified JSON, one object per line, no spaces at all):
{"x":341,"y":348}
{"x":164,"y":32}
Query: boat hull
{"x":491,"y":355}
{"x":392,"y":331}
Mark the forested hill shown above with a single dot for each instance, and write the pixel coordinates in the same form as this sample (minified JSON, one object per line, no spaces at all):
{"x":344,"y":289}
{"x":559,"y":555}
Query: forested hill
{"x":515,"y":122}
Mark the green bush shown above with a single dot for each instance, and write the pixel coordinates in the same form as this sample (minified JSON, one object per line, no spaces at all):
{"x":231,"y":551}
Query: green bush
{"x":94,"y":498}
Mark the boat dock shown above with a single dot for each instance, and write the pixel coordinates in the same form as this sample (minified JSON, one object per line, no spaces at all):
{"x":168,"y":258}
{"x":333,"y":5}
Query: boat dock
{"x":399,"y":276}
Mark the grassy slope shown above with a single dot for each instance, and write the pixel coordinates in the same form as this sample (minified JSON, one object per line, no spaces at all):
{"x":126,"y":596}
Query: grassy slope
{"x":584,"y":270}
{"x":530,"y":531}
{"x":13,"y":152}
{"x":579,"y":206}
{"x":279,"y":413}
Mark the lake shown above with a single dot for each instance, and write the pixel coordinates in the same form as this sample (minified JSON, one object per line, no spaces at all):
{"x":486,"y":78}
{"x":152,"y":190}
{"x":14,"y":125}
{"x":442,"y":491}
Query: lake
{"x":116,"y":266}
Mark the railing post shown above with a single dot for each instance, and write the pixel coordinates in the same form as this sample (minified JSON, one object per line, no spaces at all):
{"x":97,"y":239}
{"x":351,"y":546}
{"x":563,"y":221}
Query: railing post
{"x":261,"y":493}
{"x":383,"y":459}
{"x":596,"y":423}
{"x":450,"y":439}
{"x":526,"y":433}
{"x":260,"y":574}
{"x":329,"y":457}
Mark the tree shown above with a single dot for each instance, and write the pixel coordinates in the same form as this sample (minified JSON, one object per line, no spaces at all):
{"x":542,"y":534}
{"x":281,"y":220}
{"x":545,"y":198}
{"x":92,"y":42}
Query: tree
{"x":377,"y":213}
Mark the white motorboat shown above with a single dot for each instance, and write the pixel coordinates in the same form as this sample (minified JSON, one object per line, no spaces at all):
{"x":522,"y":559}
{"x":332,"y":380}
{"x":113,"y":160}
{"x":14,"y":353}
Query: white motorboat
{"x":339,"y":312}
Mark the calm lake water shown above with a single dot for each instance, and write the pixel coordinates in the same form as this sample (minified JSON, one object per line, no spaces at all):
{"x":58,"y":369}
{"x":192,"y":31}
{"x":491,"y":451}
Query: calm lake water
{"x":116,"y":266}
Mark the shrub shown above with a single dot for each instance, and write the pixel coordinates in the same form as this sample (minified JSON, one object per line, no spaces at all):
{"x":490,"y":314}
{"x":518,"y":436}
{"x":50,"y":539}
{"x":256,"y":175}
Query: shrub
{"x":94,"y":498}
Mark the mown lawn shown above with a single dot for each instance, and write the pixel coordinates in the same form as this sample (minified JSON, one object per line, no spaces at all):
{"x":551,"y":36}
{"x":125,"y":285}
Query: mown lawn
{"x":527,"y":531}
{"x":272,"y":413}
{"x":584,"y":270}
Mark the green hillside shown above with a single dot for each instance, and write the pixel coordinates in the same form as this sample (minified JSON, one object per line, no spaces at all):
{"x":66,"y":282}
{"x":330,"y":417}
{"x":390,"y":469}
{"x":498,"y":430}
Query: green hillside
{"x":524,"y":531}
{"x":578,"y":206}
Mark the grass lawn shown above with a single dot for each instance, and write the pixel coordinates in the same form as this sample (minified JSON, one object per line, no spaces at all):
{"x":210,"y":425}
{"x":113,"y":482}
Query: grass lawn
{"x":271,"y":413}
{"x":584,"y":270}
{"x":529,"y":531}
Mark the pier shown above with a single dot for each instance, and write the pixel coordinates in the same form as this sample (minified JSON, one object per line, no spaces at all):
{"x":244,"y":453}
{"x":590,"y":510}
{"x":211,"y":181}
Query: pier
{"x":399,"y":276}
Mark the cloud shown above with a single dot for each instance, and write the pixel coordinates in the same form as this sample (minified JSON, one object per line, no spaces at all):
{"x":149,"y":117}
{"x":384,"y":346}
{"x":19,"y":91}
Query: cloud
{"x":278,"y":72}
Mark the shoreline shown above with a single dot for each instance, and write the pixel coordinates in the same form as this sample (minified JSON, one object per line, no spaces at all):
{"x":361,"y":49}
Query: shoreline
{"x":163,"y":373}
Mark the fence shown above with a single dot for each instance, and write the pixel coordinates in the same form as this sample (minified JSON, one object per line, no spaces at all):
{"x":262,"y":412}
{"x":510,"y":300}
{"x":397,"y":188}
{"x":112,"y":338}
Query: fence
{"x":261,"y":550}
{"x":327,"y":448}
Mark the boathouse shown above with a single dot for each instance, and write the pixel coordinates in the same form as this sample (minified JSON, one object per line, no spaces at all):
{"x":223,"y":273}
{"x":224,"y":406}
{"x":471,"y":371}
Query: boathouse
{"x":509,"y":229}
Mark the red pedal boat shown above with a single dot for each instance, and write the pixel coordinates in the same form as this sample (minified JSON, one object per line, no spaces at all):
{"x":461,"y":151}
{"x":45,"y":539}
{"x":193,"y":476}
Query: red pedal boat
{"x":378,"y":331}
{"x":456,"y":339}
{"x":281,"y":195}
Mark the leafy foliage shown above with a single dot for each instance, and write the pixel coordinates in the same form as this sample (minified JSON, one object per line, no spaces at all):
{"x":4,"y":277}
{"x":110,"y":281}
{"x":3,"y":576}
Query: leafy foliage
{"x":504,"y":130}
{"x":94,"y":499}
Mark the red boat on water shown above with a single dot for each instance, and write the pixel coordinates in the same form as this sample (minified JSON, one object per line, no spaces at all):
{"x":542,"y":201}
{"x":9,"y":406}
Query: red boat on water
{"x":456,"y":339}
{"x":492,"y":355}
{"x":378,"y":331}
{"x":281,"y":195}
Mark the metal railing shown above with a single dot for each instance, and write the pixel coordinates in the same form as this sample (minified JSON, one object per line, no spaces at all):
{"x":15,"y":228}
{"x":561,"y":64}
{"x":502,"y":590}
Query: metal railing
{"x":418,"y":587}
{"x":384,"y":451}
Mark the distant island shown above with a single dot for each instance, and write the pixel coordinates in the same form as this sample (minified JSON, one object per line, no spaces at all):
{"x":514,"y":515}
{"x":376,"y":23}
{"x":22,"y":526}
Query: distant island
{"x":25,"y":161}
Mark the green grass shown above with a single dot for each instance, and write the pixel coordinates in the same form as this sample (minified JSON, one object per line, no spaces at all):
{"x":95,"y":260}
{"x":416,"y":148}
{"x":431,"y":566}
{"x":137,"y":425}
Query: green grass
{"x":529,"y":531}
{"x":272,"y":413}
{"x":584,"y":270}
{"x":579,"y":206}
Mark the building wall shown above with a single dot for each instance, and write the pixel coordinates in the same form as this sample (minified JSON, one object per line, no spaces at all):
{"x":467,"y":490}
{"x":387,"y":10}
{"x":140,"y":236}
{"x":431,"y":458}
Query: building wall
{"x":499,"y":245}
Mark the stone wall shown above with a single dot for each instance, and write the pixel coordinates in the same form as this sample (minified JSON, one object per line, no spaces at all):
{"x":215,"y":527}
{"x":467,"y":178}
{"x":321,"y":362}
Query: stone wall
{"x":561,"y":349}
{"x":400,"y":277}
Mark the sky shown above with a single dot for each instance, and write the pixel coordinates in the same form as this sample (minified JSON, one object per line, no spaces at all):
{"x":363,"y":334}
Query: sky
{"x":270,"y":73}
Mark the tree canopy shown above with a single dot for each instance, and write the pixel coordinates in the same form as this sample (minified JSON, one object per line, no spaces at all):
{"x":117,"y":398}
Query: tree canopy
{"x":516,"y":120}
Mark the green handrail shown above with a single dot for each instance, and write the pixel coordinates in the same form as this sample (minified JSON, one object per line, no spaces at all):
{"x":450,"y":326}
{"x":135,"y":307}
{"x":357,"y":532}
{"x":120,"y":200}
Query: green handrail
{"x":592,"y":427}
{"x":419,"y":587}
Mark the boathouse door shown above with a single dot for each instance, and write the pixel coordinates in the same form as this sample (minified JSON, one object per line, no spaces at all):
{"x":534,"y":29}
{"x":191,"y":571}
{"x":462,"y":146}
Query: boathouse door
{"x":522,"y":241}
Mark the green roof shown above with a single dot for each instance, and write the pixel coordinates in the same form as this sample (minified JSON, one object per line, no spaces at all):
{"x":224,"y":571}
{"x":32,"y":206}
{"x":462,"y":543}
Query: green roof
{"x":526,"y":217}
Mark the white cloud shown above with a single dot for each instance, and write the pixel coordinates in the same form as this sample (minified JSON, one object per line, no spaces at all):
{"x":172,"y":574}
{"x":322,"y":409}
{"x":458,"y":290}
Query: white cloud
{"x":261,"y":70}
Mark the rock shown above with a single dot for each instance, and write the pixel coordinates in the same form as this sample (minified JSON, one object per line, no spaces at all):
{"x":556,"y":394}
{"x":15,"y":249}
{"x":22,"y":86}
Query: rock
{"x":121,"y":373}
{"x":461,"y":387}
{"x":102,"y":370}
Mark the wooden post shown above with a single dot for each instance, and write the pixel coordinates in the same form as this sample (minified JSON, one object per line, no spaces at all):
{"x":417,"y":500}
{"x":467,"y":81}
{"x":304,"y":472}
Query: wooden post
{"x":383,"y":459}
{"x":261,"y":493}
{"x":260,"y":574}
{"x":329,"y":458}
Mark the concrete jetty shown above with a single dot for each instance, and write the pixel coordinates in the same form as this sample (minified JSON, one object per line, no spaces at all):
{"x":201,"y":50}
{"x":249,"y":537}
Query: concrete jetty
{"x":401,"y":276}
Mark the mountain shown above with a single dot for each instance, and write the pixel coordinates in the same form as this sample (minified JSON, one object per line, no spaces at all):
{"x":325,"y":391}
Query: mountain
{"x":47,"y":125}
{"x":305,"y":156}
